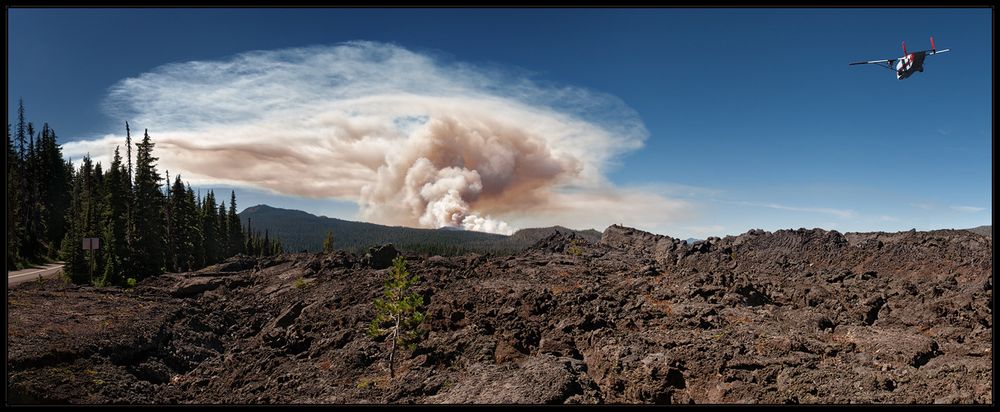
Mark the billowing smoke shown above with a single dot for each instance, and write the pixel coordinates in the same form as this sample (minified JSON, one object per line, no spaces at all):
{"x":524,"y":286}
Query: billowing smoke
{"x":414,"y":140}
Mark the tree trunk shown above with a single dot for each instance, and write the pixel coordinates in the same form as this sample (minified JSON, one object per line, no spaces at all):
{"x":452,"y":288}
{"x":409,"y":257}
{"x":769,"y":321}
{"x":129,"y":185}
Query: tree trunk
{"x":392,"y":352}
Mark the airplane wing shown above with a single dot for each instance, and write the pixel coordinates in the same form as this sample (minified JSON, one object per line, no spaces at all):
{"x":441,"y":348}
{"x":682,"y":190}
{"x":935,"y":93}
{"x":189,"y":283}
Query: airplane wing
{"x":888,"y":61}
{"x":933,"y":52}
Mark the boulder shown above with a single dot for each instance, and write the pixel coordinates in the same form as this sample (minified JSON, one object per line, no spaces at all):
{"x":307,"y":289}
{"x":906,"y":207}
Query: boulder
{"x":380,"y":257}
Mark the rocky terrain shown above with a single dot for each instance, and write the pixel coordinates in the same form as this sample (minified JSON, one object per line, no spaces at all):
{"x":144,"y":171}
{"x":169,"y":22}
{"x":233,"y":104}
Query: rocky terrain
{"x":794,"y":316}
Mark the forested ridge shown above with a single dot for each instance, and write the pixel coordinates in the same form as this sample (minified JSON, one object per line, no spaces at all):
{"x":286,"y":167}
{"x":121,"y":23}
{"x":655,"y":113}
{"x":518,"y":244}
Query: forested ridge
{"x":301,"y":231}
{"x":146,"y":224}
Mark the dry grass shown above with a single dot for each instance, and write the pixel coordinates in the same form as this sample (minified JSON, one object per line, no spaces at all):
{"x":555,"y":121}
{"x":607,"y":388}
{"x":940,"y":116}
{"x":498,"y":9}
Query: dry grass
{"x":378,"y":382}
{"x":663,"y":305}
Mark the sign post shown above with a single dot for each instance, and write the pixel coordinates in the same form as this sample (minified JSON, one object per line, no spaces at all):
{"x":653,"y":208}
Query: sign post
{"x":91,"y":244}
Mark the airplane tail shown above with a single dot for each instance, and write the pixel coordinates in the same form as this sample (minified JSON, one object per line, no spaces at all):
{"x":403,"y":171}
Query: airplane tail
{"x":904,"y":48}
{"x":932,"y":44}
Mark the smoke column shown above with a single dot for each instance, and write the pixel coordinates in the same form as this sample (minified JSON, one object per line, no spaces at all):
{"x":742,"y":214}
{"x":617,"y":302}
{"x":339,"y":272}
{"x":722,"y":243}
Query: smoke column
{"x":414,"y":140}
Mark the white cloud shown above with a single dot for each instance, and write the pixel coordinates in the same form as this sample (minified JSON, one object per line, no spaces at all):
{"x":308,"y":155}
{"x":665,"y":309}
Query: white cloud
{"x":413,"y":140}
{"x":968,"y":209}
{"x":842,"y":213}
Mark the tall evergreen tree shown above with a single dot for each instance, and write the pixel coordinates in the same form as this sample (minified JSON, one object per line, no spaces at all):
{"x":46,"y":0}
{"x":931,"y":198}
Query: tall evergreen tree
{"x":181,"y":227}
{"x":235,"y":228}
{"x":197,"y":241}
{"x":21,"y":138}
{"x":129,"y":261}
{"x":128,"y":150}
{"x":114,"y":221}
{"x":30,"y":214}
{"x":83,"y":223}
{"x":223,"y":225}
{"x":55,"y":191}
{"x":209,"y":230}
{"x":71,"y":252}
{"x":13,"y":198}
{"x":170,"y":252}
{"x":148,"y":233}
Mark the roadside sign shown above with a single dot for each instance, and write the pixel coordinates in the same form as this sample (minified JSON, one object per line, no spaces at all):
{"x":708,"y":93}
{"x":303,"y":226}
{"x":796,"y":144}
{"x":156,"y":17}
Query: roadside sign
{"x":91,"y":243}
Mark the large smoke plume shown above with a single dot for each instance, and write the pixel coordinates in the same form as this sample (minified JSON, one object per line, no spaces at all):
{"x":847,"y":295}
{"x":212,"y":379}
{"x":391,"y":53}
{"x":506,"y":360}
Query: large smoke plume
{"x":414,"y":140}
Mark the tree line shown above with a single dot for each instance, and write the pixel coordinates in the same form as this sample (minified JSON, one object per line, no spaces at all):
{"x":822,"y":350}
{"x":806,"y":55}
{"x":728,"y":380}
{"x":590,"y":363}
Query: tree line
{"x":145,"y":227}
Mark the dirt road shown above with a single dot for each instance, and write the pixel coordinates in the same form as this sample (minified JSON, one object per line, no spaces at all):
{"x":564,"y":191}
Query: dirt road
{"x":26,"y":275}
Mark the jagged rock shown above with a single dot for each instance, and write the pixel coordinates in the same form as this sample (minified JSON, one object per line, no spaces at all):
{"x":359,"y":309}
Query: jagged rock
{"x":193,"y":286}
{"x":539,"y":380}
{"x":792,"y":316}
{"x":235,"y":264}
{"x":380,"y":257}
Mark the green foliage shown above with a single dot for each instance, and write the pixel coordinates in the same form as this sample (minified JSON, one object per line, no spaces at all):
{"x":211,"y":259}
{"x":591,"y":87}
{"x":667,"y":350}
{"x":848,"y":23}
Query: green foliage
{"x":115,"y":221}
{"x":37,"y":194}
{"x":52,"y":206}
{"x":235,"y":228}
{"x":328,"y":242}
{"x":397,"y":313}
{"x":148,"y":213}
{"x":574,"y":248}
{"x":130,"y":283}
{"x":300,"y":283}
{"x":182,"y":228}
{"x":209,"y":230}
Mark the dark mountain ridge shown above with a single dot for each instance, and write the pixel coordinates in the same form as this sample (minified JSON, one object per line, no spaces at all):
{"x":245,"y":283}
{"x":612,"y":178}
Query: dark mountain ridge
{"x":300,"y":231}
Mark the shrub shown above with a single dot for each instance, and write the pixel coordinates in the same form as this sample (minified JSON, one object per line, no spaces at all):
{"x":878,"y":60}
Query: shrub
{"x":300,"y":283}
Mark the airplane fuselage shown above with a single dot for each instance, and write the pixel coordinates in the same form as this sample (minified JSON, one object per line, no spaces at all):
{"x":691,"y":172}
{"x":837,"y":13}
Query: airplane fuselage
{"x":909,"y":64}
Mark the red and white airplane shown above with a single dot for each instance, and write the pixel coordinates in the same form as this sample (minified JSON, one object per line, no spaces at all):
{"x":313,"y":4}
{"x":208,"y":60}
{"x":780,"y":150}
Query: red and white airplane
{"x":908,"y":64}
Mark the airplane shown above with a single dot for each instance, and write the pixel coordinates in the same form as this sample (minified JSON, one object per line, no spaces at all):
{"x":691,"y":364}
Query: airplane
{"x":908,"y":64}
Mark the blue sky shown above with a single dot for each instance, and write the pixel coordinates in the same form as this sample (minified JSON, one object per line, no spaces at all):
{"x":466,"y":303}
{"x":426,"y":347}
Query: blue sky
{"x":753,"y":117}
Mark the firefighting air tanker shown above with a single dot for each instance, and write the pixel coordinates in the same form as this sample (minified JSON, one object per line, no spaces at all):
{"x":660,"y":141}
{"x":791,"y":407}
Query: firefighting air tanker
{"x":908,"y":64}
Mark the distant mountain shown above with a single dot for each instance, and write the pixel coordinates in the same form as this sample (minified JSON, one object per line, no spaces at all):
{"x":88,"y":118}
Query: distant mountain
{"x":983,"y":230}
{"x":691,"y":240}
{"x":299,"y":231}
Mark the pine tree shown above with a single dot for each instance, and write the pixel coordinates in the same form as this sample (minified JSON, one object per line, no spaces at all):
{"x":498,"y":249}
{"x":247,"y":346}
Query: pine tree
{"x":209,"y":230}
{"x":328,"y":242}
{"x":31,"y":205}
{"x":83,"y":223}
{"x":128,"y":150}
{"x":129,"y":260}
{"x":223,"y":225}
{"x":235,"y":228}
{"x":265,"y":249}
{"x":56,"y":190}
{"x":148,"y":233}
{"x":170,"y":245}
{"x":197,"y":241}
{"x":114,"y":221}
{"x":277,"y":248}
{"x":29,"y":196}
{"x":398,"y":309}
{"x":20,"y":130}
{"x":13,"y":199}
{"x":248,"y":240}
{"x":181,"y":227}
{"x":71,"y":252}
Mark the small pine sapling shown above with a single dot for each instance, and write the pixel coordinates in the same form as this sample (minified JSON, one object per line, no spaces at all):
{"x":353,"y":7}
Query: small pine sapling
{"x":398,"y":311}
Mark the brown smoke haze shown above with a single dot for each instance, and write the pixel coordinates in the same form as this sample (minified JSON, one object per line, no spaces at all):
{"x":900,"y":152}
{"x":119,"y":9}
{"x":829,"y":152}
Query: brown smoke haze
{"x":413,"y":140}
